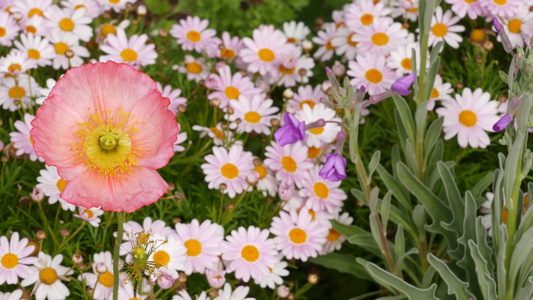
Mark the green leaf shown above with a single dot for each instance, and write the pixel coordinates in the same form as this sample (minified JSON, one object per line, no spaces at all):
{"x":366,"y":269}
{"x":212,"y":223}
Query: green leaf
{"x":526,"y":292}
{"x":482,"y":184}
{"x":385,"y":209}
{"x":455,"y":285}
{"x":421,"y":115}
{"x":399,"y":243}
{"x":359,"y":195}
{"x":406,"y":117}
{"x":432,"y":73}
{"x":455,"y":201}
{"x":348,"y":230}
{"x":366,"y":241}
{"x":396,"y":187}
{"x":501,"y":270}
{"x":484,"y":276}
{"x":374,"y":162}
{"x":343,"y":263}
{"x":521,"y":260}
{"x":432,"y":135}
{"x":503,"y":76}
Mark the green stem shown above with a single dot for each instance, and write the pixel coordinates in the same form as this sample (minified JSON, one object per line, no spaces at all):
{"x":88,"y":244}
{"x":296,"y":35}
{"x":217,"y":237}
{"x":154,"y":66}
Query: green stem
{"x":62,"y":245}
{"x":120,"y":219}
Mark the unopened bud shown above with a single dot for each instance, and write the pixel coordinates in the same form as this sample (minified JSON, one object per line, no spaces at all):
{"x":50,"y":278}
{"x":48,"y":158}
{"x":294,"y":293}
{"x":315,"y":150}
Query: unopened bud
{"x":312,"y":278}
{"x":283,"y":291}
{"x":64,"y":232}
{"x":182,"y":277}
{"x":176,"y":220}
{"x":211,"y":82}
{"x":257,"y":162}
{"x":229,"y":206}
{"x":230,"y":111}
{"x":459,"y":85}
{"x":182,"y":108}
{"x":502,"y":98}
{"x":164,"y":62}
{"x":213,"y":294}
{"x":215,"y":102}
{"x":326,"y":86}
{"x":35,"y":252}
{"x":82,"y":267}
{"x":77,"y":259}
{"x":222,"y":187}
{"x":319,"y":21}
{"x":307,"y":45}
{"x":24,"y":201}
{"x":90,"y":291}
{"x":274,"y":122}
{"x":288,"y":94}
{"x":129,"y":6}
{"x":479,"y":58}
{"x":101,"y":268}
{"x":141,"y":10}
{"x":40,"y":235}
{"x":163,"y":33}
{"x":17,"y":16}
{"x":252,"y":178}
{"x":488,"y":45}
{"x":37,"y":195}
{"x":106,"y":15}
{"x":291,"y":296}
{"x":302,"y":72}
{"x":338,"y":69}
{"x":69,"y":53}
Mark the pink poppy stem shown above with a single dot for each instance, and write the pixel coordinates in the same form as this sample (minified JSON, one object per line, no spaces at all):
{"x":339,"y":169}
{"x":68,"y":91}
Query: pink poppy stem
{"x":120,"y":219}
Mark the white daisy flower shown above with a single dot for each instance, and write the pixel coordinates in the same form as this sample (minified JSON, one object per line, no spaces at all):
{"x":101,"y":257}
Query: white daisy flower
{"x":289,"y":162}
{"x":52,"y":185}
{"x":195,"y":68}
{"x":15,"y":295}
{"x":334,"y":239}
{"x":441,"y":92}
{"x":133,"y":51}
{"x":184,"y":295}
{"x":275,"y":276}
{"x":30,"y":8}
{"x":324,"y":38}
{"x":66,"y":20}
{"x":47,"y":277}
{"x":173,"y":95}
{"x":381,"y":37}
{"x":192,"y":34}
{"x":22,"y":140}
{"x":44,"y":92}
{"x":169,"y":256}
{"x":316,"y":136}
{"x":17,"y":92}
{"x":240,"y":293}
{"x":217,"y":133}
{"x":90,"y":215}
{"x":92,"y":8}
{"x":15,"y":63}
{"x":307,"y":95}
{"x":101,"y":282}
{"x":8,"y":29}
{"x":38,"y":48}
{"x":519,"y":28}
{"x":364,"y":13}
{"x":62,"y":42}
{"x":116,"y":5}
{"x":15,"y":258}
{"x":344,"y":43}
{"x":182,"y":137}
{"x":400,"y":59}
{"x":254,"y":113}
{"x":36,"y":25}
{"x":443,"y":28}
{"x":464,"y":7}
{"x":469,"y":118}
{"x":502,"y":8}
{"x":406,"y":8}
{"x":295,"y":32}
{"x":369,"y":70}
{"x":322,"y":194}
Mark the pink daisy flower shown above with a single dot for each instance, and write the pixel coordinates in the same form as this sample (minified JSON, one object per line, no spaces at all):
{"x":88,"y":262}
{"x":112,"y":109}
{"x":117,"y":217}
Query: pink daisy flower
{"x":369,"y":70}
{"x":322,"y":194}
{"x":469,"y":118}
{"x":254,"y":114}
{"x":192,"y":34}
{"x":381,"y":37}
{"x":228,"y":167}
{"x":22,"y":140}
{"x":8,"y":29}
{"x":30,"y":8}
{"x":15,"y":258}
{"x":92,"y":8}
{"x":502,"y":9}
{"x":519,"y":28}
{"x":230,"y":87}
{"x":47,"y":275}
{"x":52,"y":185}
{"x":173,"y":95}
{"x":297,"y":236}
{"x":240,"y":293}
{"x":90,"y":215}
{"x":249,"y":253}
{"x":107,"y":106}
{"x":464,"y":7}
{"x":296,"y":68}
{"x":38,"y":48}
{"x":62,"y":42}
{"x":307,"y":95}
{"x":443,"y":28}
{"x":344,"y":43}
{"x":66,"y":20}
{"x":102,"y":283}
{"x":14,"y":94}
{"x":195,"y":68}
{"x":334,"y":239}
{"x":36,"y":25}
{"x":289,"y":162}
{"x":15,"y":63}
{"x":203,"y":244}
{"x":295,"y":32}
{"x":365,"y":13}
{"x":324,"y":38}
{"x":266,"y":50}
{"x":231,"y":48}
{"x":275,"y":275}
{"x":266,"y":181}
{"x":133,"y":51}
{"x":317,"y":136}
{"x":116,"y":5}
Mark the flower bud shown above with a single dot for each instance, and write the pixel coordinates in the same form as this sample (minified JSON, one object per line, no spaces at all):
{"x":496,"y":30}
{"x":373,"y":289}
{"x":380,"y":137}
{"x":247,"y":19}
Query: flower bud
{"x":100,"y":268}
{"x":307,"y":45}
{"x":182,"y":277}
{"x":338,"y":69}
{"x":283,"y":291}
{"x":285,"y":191}
{"x":41,"y":235}
{"x":24,"y":201}
{"x":141,"y":10}
{"x":312,"y":278}
{"x":274,"y":122}
{"x":165,"y":281}
{"x":288,"y":94}
{"x":163,"y":33}
{"x":77,"y":259}
{"x":215,"y":102}
{"x":37,"y":195}
{"x":211,"y":82}
{"x":69,"y":53}
{"x":252,"y":178}
{"x":182,"y":108}
{"x":64,"y":232}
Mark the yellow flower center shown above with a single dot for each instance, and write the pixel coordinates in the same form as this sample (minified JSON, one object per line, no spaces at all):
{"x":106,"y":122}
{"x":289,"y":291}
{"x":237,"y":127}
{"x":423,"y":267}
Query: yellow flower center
{"x":467,"y":118}
{"x":218,"y":134}
{"x":439,"y":30}
{"x":286,"y":71}
{"x":2,"y":31}
{"x":349,"y":40}
{"x":16,"y":92}
{"x":321,"y":190}
{"x":128,"y":55}
{"x":309,"y":102}
{"x":194,"y":36}
{"x":9,"y":260}
{"x":80,"y":6}
{"x":114,"y":1}
{"x":313,"y":214}
{"x":367,"y":19}
{"x":470,"y":1}
{"x":380,"y":39}
{"x":406,"y":64}
{"x":252,"y":117}
{"x":313,"y":152}
{"x":291,"y":40}
{"x":297,"y":236}
{"x":48,"y":276}
{"x":194,"y":68}
{"x":161,"y":258}
{"x":329,"y":46}
{"x":317,"y":130}
{"x":61,"y":48}
{"x":107,"y":143}
{"x":108,"y":29}
{"x":227,"y":53}
{"x":89,"y":213}
{"x":61,"y":184}
{"x":229,"y":171}
{"x":333,"y":235}
{"x":106,"y":279}
{"x":232,"y":92}
{"x":29,"y":29}
{"x":35,"y":11}
{"x":477,"y":35}
{"x":194,"y":247}
{"x":66,"y":24}
{"x":500,"y":2}
{"x":515,"y":25}
{"x":289,"y":164}
{"x":34,"y":54}
{"x":266,"y":55}
{"x":262,"y":171}
{"x":250,"y":253}
{"x":434,"y":93}
{"x":373,"y":76}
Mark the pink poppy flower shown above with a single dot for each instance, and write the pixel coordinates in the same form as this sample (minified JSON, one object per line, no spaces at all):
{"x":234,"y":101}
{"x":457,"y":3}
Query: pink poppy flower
{"x":106,"y":128}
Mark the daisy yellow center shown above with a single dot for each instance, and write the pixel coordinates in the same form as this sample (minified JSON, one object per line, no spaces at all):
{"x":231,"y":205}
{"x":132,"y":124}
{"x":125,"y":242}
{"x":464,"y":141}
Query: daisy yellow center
{"x":194,"y":36}
{"x":500,"y":2}
{"x":289,"y":164}
{"x":470,"y":1}
{"x":31,"y":29}
{"x":66,"y":24}
{"x":16,"y":92}
{"x":349,"y":40}
{"x":34,"y":54}
{"x":309,"y":102}
{"x":250,"y":253}
{"x":227,"y":53}
{"x":107,"y":29}
{"x":252,"y":117}
{"x":333,"y":235}
{"x":80,"y":6}
{"x":313,"y":152}
{"x":35,"y":11}
{"x":194,"y":247}
{"x":439,"y":30}
{"x":262,"y":171}
{"x":515,"y":25}
{"x":9,"y":261}
{"x":61,"y":48}
{"x":313,"y":214}
{"x":2,"y":31}
{"x":161,"y":258}
{"x":340,"y":24}
{"x":286,"y":71}
{"x":367,"y":19}
{"x":107,"y":143}
{"x":329,"y":46}
{"x":468,"y":118}
{"x":61,"y":184}
{"x":477,"y":35}
{"x":106,"y":279}
{"x":89,"y":213}
{"x":406,"y":64}
{"x":48,"y":276}
{"x":31,"y":140}
{"x":266,"y":55}
{"x":194,"y":68}
{"x":373,"y":76}
{"x":232,"y":92}
{"x":291,"y":40}
{"x":321,"y":190}
{"x":317,"y":130}
{"x":380,"y":39}
{"x":14,"y":67}
{"x":218,"y":134}
{"x":114,"y":1}
{"x":413,"y":10}
{"x":128,"y":55}
{"x":229,"y":171}
{"x":434,"y":93}
{"x":297,"y":236}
